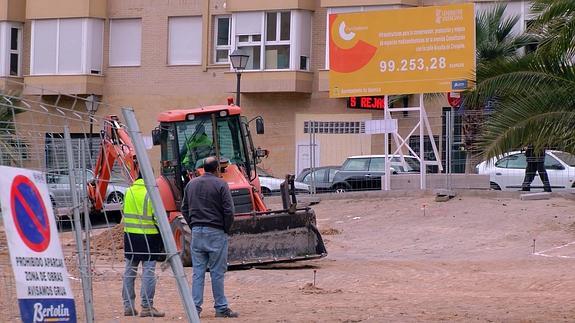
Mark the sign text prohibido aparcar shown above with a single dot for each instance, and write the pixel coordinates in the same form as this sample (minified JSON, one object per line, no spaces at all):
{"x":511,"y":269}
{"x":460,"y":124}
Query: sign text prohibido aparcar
{"x":42,"y":285}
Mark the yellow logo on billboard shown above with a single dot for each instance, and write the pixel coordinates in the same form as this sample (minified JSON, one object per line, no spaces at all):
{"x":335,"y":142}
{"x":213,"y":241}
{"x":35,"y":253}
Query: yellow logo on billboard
{"x":416,"y":50}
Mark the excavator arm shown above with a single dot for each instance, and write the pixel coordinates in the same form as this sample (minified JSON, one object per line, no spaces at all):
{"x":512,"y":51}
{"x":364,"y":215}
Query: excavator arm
{"x":116,"y":145}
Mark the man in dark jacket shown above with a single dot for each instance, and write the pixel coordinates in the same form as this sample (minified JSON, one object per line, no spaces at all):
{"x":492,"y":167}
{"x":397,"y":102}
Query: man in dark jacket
{"x":208,"y":208}
{"x":535,"y":163}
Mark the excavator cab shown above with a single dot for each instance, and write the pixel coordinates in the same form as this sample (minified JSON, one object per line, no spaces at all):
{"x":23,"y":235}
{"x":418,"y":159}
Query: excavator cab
{"x":258,"y":235}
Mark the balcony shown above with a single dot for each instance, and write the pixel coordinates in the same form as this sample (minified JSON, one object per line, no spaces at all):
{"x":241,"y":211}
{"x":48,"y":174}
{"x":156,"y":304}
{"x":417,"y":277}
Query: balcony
{"x":12,"y":10}
{"x":262,"y":5}
{"x":64,"y":84}
{"x":355,"y":3}
{"x":42,"y":9}
{"x":273,"y":82}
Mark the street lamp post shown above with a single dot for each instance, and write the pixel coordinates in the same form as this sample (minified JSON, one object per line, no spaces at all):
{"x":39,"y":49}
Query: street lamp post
{"x":239,"y":61}
{"x":92,"y":103}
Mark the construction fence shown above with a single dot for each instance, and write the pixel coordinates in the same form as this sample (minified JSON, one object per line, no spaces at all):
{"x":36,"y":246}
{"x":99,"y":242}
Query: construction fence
{"x":408,"y":148}
{"x":338,"y":154}
{"x":58,"y":137}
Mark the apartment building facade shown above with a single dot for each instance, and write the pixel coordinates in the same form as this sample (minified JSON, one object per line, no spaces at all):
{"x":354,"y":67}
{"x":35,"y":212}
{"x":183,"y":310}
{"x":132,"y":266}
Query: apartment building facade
{"x":155,"y":55}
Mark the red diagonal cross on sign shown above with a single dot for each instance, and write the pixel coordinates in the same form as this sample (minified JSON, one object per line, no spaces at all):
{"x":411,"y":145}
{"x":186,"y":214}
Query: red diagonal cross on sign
{"x":29,"y":214}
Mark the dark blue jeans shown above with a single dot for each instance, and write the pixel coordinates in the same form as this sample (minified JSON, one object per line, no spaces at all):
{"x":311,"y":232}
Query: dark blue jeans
{"x":209,"y":250}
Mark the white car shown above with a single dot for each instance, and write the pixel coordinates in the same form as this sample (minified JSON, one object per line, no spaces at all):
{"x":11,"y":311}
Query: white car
{"x":271,"y":185}
{"x":61,"y":195}
{"x":508,"y":171}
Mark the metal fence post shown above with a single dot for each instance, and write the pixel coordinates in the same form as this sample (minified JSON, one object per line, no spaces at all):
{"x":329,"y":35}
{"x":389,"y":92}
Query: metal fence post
{"x":161,"y":216}
{"x":87,"y":224}
{"x":88,"y":304}
{"x":447,"y":147}
{"x":450,"y":151}
{"x":311,"y":155}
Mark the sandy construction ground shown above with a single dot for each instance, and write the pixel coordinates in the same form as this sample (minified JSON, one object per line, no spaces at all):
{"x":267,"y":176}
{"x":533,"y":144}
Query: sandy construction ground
{"x":399,"y":259}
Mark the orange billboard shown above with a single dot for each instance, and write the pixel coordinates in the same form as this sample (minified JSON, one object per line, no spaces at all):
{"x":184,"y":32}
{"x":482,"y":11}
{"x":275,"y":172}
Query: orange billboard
{"x":403,"y":51}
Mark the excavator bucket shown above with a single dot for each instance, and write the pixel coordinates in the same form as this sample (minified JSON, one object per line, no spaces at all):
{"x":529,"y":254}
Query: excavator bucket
{"x":267,"y":237}
{"x":275,"y":236}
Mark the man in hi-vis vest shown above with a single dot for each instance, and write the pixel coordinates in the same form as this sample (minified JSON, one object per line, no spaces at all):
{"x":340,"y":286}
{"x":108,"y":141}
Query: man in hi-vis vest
{"x":142,"y":243}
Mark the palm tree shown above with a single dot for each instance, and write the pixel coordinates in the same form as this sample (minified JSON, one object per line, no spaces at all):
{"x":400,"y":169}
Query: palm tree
{"x":535,"y":93}
{"x":556,"y":27}
{"x":496,"y":43}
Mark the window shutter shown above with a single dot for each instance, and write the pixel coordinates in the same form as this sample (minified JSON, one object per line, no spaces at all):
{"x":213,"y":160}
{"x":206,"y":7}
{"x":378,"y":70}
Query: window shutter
{"x":45,"y":48}
{"x":248,"y":23}
{"x":125,"y":42}
{"x":70,"y":47}
{"x":185,"y":40}
{"x":95,"y":46}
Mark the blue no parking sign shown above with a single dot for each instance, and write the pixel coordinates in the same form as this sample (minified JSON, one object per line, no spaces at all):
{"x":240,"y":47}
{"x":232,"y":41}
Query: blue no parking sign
{"x":29,"y":214}
{"x":42,"y":284}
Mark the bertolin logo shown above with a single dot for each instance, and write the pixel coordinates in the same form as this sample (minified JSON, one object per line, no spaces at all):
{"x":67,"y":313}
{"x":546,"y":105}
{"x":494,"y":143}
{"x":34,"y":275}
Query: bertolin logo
{"x":446,"y":15}
{"x":59,"y":313}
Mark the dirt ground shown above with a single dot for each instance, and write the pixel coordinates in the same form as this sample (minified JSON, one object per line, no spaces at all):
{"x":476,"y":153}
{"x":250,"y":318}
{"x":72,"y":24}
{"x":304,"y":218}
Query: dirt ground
{"x":399,"y":259}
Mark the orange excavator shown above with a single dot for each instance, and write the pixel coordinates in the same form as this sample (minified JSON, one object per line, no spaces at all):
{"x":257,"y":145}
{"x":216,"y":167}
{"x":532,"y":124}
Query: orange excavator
{"x":186,"y":136}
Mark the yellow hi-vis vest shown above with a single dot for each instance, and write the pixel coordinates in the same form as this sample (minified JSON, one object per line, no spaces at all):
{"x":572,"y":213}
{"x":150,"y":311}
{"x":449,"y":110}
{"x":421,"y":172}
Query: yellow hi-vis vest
{"x":138,"y":211}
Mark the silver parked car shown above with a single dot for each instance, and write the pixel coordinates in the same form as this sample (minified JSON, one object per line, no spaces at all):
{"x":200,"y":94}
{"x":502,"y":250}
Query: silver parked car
{"x":61,"y":195}
{"x":271,"y":185}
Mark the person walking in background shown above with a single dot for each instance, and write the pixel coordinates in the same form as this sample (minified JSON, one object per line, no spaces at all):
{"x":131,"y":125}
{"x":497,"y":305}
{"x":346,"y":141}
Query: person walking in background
{"x":142,"y":243}
{"x":535,"y":163}
{"x":208,"y":209}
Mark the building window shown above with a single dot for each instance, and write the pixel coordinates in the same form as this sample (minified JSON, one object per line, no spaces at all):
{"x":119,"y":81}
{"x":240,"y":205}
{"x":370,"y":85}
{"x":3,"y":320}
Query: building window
{"x":251,"y":45}
{"x":185,"y":41}
{"x":15,"y":51}
{"x":11,"y":49}
{"x":532,"y":47}
{"x":248,"y":36}
{"x":279,"y":40}
{"x":222,"y":39}
{"x":125,"y":42}
{"x":67,"y":46}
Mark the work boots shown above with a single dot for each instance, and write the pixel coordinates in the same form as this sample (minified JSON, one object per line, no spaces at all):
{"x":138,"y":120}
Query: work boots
{"x":227,"y":313}
{"x":151,"y":311}
{"x":130,"y":312}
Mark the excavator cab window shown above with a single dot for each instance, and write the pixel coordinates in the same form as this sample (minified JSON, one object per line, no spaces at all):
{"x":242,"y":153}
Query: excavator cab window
{"x":250,"y":150}
{"x":196,"y":140}
{"x":167,"y":140}
{"x":170,"y":160}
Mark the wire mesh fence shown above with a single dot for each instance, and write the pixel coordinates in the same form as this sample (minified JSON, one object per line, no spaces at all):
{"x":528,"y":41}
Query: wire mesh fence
{"x":336,"y":154}
{"x":56,"y":135}
{"x":52,"y":134}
